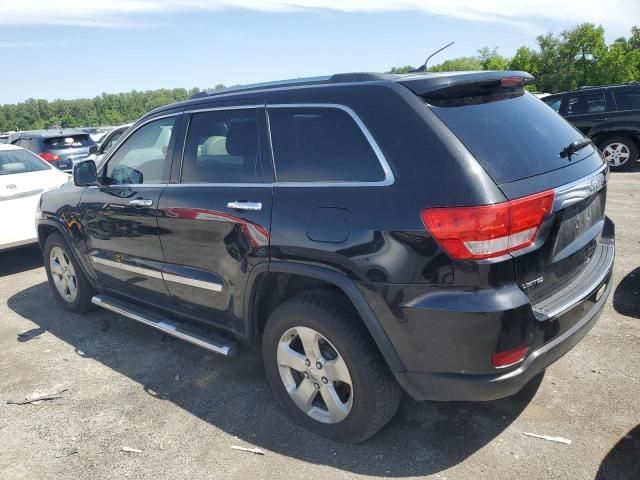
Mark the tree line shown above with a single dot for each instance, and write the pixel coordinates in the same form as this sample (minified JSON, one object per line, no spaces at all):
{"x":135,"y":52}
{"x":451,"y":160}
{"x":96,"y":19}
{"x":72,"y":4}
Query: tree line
{"x":576,"y":57}
{"x":573,"y":58}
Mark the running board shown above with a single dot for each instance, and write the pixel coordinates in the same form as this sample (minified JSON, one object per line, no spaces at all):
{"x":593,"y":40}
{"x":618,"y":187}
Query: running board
{"x":212,"y":342}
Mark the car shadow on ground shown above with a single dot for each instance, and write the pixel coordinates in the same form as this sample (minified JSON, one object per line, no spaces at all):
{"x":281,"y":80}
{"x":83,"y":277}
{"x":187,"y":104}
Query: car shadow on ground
{"x":626,"y":298}
{"x":20,"y":260}
{"x":232,"y":395}
{"x":623,"y":460}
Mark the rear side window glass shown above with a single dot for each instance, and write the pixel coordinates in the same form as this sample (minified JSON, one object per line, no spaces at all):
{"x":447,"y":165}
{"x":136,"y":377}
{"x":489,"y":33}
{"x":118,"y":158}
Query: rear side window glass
{"x":321,"y":144}
{"x":20,"y":161}
{"x":586,"y":103}
{"x":554,"y":103}
{"x":222,"y":147}
{"x":512,"y":134}
{"x":69,"y":141}
{"x":627,"y":99}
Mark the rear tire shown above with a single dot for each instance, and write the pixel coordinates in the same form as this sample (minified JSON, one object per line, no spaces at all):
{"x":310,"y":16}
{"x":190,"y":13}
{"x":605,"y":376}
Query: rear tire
{"x":620,"y":152}
{"x":68,"y":283}
{"x":361,"y":391}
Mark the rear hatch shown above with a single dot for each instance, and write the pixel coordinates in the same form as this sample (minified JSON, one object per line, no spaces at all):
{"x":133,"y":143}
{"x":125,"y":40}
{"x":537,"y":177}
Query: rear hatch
{"x":71,"y":148}
{"x":518,"y":140}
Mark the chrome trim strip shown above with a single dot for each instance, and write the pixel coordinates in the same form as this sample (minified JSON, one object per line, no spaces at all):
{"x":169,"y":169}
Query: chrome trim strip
{"x":166,"y":327}
{"x":169,"y":277}
{"x":579,"y":190}
{"x":127,"y":267}
{"x":230,"y":107}
{"x":389,"y":177}
{"x":205,"y":184}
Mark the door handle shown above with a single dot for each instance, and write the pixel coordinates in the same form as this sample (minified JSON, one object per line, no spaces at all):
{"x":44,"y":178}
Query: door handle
{"x":141,"y":202}
{"x":243,"y":205}
{"x":601,"y":119}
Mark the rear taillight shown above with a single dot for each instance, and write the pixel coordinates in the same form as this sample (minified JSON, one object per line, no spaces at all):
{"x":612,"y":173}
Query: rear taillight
{"x":49,"y":157}
{"x":472,"y":233}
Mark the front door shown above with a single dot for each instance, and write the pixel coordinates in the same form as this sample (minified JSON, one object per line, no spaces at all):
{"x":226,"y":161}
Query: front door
{"x":119,"y":215}
{"x":217,"y":215}
{"x":585,"y":110}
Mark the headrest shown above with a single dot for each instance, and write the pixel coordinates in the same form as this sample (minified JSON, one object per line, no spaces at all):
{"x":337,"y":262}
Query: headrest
{"x":242,"y":138}
{"x":17,"y":167}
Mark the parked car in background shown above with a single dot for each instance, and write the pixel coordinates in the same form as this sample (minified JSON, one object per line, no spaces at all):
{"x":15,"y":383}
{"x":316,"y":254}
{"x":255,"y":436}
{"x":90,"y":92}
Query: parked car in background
{"x":440,"y":233}
{"x":4,"y":138}
{"x":110,"y":139}
{"x":23,"y":178}
{"x":61,"y":148}
{"x":96,"y":133}
{"x":609,"y":115}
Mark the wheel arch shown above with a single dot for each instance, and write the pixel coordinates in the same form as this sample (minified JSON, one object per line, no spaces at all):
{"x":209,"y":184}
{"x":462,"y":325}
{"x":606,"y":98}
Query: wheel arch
{"x":317,"y":276}
{"x":47,"y":227}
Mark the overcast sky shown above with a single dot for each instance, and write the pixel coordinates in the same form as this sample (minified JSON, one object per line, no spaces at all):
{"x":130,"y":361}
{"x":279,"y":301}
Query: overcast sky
{"x":79,"y":48}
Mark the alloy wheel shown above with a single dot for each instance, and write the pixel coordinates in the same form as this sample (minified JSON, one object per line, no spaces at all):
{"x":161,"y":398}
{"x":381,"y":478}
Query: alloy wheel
{"x":315,"y":375}
{"x":63,"y":274}
{"x":616,"y":154}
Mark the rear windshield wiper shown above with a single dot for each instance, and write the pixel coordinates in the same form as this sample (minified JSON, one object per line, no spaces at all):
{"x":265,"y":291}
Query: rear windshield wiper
{"x":574,"y":147}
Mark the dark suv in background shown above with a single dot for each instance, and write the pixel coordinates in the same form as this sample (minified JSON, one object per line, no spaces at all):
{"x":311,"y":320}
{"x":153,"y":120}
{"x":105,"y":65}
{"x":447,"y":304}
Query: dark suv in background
{"x":438,"y":234}
{"x":61,"y":148}
{"x":609,"y":115}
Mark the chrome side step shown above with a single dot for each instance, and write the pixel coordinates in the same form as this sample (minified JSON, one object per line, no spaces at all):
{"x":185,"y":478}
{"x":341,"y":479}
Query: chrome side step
{"x":212,"y":342}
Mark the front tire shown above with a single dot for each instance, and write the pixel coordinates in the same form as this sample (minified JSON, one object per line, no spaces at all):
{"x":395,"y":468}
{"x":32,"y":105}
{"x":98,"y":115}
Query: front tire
{"x":325,"y":370}
{"x":621,"y":153}
{"x":67,"y":280}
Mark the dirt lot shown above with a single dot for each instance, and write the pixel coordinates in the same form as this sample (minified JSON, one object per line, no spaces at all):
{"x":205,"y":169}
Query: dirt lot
{"x":184,"y":408}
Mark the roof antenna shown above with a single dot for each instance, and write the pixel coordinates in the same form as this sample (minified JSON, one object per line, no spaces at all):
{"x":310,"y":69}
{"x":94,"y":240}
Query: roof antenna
{"x":423,"y":68}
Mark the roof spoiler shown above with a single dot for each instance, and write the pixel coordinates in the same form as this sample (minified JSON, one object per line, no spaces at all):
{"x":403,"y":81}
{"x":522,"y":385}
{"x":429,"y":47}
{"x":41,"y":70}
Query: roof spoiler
{"x":429,"y":83}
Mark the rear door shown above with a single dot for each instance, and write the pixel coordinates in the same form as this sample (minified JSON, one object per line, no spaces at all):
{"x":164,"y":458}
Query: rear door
{"x":519,"y":141}
{"x":119,"y":215}
{"x":216,"y":214}
{"x":586,"y":110}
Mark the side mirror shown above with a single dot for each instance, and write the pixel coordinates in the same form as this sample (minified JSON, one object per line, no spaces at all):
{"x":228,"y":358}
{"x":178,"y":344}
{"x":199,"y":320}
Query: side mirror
{"x":85,"y":173}
{"x":93,"y":150}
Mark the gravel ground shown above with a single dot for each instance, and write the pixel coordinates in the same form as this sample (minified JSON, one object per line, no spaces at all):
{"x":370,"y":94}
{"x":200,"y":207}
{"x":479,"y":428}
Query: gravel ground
{"x":184,"y":408}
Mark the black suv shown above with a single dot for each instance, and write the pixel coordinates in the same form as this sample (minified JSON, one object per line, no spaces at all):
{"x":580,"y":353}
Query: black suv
{"x":441,"y":234}
{"x":61,"y":148}
{"x":609,"y":115}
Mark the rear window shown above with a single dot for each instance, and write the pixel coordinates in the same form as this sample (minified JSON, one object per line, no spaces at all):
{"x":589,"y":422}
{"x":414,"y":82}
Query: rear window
{"x":510,"y":132}
{"x":321,"y":144}
{"x":20,"y":161}
{"x":70,"y":141}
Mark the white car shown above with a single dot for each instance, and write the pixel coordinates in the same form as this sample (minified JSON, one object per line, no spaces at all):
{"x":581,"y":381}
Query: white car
{"x":23,"y":178}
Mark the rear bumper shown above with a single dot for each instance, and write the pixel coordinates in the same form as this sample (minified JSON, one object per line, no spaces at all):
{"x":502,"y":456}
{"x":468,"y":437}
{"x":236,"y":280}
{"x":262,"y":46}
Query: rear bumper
{"x":446,"y":337}
{"x":459,"y":386}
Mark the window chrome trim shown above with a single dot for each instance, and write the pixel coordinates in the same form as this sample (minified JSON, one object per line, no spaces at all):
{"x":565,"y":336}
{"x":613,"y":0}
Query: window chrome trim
{"x":192,"y":282}
{"x":148,"y":272}
{"x":389,"y":177}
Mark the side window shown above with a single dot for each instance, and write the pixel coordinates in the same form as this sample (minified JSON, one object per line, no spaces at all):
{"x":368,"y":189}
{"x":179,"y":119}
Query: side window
{"x":628,"y":99}
{"x":321,"y":144}
{"x":554,"y":103}
{"x":111,"y":141}
{"x":222,"y":147}
{"x":142,"y":158}
{"x":586,"y":103}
